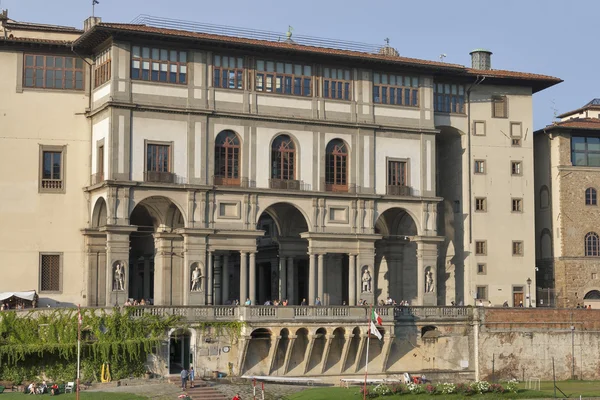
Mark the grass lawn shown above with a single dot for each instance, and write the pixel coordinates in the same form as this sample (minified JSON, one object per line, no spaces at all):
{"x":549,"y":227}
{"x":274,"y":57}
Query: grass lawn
{"x":571,"y":388}
{"x":82,"y":396}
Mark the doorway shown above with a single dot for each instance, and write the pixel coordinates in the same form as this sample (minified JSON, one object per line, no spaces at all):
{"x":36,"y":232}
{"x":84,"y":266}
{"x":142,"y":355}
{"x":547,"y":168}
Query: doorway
{"x":179,"y":352}
{"x":518,"y":296}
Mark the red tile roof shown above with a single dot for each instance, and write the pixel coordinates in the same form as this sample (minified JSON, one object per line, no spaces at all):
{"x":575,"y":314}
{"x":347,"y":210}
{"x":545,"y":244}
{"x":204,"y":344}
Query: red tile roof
{"x":576,"y":123}
{"x":538,"y":82}
{"x":36,"y":40}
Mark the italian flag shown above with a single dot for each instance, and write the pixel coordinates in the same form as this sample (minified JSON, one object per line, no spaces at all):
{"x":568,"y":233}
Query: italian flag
{"x":375,"y":317}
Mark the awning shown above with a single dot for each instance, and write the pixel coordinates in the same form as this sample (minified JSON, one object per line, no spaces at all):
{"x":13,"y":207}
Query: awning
{"x":29,"y":295}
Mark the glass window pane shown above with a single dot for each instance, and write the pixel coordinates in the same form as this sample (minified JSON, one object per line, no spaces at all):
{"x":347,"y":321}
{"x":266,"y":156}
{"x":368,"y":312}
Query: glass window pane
{"x":347,"y":75}
{"x":298,"y":70}
{"x":29,"y":61}
{"x":240,"y":62}
{"x":231,"y":62}
{"x":279,"y":67}
{"x":593,"y":144}
{"x":415,"y":82}
{"x":78,"y":63}
{"x":68,"y":62}
{"x":164,"y":55}
{"x":594,"y":159}
{"x":376,"y":78}
{"x":145,"y":52}
{"x":39,"y":61}
{"x":58,"y":62}
{"x":136,"y":51}
{"x":393,"y":80}
{"x":288,"y":68}
{"x":577,"y":143}
{"x":173,"y":55}
{"x":260,"y":65}
{"x":270,"y":66}
{"x":155,"y":54}
{"x":384,"y":79}
{"x":307,"y":70}
{"x":49,"y":78}
{"x":182,"y":56}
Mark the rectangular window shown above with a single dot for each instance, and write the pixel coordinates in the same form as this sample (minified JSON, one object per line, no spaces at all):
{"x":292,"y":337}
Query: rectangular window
{"x":283,"y":78}
{"x":517,"y":205}
{"x":102,"y":68}
{"x":397,"y":178}
{"x":337,"y":84}
{"x":516,"y":134}
{"x":158,"y":65}
{"x":52,"y":169}
{"x":516,"y":168}
{"x":482,"y":293}
{"x":480,"y":204}
{"x":449,"y":97}
{"x":481,"y":269}
{"x":585,"y":151}
{"x":228,"y":72}
{"x":53,"y":72}
{"x":50,"y":273}
{"x":100,"y":163}
{"x":499,"y":107}
{"x":480,"y":166}
{"x":517,"y":248}
{"x":395,"y":89}
{"x":480,"y":247}
{"x":479,"y":128}
{"x":158,"y":157}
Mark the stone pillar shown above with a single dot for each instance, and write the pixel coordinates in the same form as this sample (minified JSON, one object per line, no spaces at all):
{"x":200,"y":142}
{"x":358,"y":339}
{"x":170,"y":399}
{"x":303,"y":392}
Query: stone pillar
{"x":260,"y":278}
{"x":291,"y":281}
{"x":282,"y":279}
{"x":351,"y":280}
{"x":345,"y":351}
{"x":117,"y":252}
{"x":359,"y":354}
{"x":311,"y":279}
{"x":243,"y":277}
{"x":273,"y":279}
{"x":321,"y":279}
{"x":146,"y":278}
{"x":273,"y":352}
{"x":326,"y":353}
{"x":288,"y":353}
{"x":217,"y":279}
{"x":388,"y":339}
{"x":225,"y":279}
{"x":366,"y":258}
{"x":426,"y":259}
{"x":209,"y":280}
{"x":253,"y":278}
{"x":244,"y":341}
{"x":164,"y":276}
{"x":308,"y":354}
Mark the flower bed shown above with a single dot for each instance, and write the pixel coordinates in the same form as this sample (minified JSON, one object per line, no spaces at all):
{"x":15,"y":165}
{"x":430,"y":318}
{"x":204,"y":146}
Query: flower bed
{"x":465,"y":389}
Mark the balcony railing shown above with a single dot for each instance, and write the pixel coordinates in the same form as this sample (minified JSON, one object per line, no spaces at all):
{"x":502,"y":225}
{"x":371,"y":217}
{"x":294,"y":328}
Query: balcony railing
{"x":399,"y":190}
{"x":159,"y":177}
{"x":287,"y":184}
{"x":332,"y":187}
{"x":219,"y":180}
{"x":97,"y":178}
{"x":52,"y":184}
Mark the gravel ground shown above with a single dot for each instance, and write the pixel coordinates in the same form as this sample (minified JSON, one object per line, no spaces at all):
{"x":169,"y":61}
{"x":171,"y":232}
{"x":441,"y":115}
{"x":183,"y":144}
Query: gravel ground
{"x":157,"y":390}
{"x":272,"y":391}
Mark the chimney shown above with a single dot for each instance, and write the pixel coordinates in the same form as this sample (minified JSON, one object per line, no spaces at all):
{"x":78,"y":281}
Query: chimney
{"x":481,"y":59}
{"x":90,"y":23}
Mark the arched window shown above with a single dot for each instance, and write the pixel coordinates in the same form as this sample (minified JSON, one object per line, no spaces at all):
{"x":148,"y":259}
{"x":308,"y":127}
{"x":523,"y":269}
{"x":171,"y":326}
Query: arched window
{"x":591,"y":197}
{"x":544,"y":197}
{"x":336,"y":166}
{"x":592,"y":295}
{"x":283,"y":158}
{"x":227,"y":159}
{"x":592,"y":245}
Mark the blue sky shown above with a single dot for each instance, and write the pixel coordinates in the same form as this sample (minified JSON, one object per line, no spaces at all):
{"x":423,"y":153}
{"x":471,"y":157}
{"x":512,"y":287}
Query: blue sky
{"x":549,"y":37}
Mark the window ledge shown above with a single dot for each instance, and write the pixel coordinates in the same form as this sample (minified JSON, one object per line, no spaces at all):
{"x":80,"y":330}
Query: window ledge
{"x":293,"y":96}
{"x":51,"y":90}
{"x":395,"y":106}
{"x":145,"y":82}
{"x":452,"y":114}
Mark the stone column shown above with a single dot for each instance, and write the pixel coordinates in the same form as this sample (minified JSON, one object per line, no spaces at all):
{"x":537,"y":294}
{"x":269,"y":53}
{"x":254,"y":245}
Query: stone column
{"x":253,"y":278}
{"x":291,"y":281}
{"x":260,"y":278}
{"x":209,"y":279}
{"x":282,"y":279}
{"x":426,"y":258}
{"x":351,"y":280}
{"x":117,"y":251}
{"x":217,"y":278}
{"x":311,"y":279}
{"x":225,"y":279}
{"x":146,"y":278}
{"x":243,"y":277}
{"x":388,"y":339}
{"x":321,"y":279}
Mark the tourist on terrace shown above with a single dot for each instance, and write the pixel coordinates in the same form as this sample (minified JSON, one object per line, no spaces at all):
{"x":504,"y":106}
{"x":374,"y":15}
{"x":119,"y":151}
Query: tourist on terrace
{"x":184,"y":378}
{"x":318,"y":301}
{"x":303,"y":303}
{"x":31,"y":388}
{"x":248,"y":302}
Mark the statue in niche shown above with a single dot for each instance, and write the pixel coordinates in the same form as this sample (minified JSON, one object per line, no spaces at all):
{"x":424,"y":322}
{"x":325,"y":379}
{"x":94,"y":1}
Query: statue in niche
{"x":366,"y":281}
{"x":119,"y":277}
{"x":196,"y":279}
{"x":429,"y":282}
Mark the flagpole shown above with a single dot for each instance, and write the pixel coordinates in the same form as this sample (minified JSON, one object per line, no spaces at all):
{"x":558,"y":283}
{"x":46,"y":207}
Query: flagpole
{"x":78,"y":348}
{"x":367,"y":355}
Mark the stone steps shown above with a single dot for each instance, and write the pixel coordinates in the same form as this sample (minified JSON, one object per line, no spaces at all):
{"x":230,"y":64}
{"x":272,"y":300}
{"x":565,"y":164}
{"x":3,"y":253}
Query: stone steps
{"x":200,"y":391}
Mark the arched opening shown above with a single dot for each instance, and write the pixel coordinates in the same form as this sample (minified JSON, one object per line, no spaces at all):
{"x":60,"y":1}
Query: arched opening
{"x":258,"y":351}
{"x":450,"y":154}
{"x":280,"y":353}
{"x":375,"y":349}
{"x":179,"y":351}
{"x":318,"y":349}
{"x":151,"y":216}
{"x":396,"y":257}
{"x":283,"y":162}
{"x":282,"y":255}
{"x":334,"y":357}
{"x":426,"y":329}
{"x":99,"y":214}
{"x":592,"y":295}
{"x":227,"y":159}
{"x":336,"y":166}
{"x":296,"y":361}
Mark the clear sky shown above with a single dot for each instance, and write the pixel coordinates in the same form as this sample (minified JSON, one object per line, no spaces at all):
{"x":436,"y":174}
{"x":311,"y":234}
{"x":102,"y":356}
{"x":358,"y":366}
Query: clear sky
{"x":551,"y":37}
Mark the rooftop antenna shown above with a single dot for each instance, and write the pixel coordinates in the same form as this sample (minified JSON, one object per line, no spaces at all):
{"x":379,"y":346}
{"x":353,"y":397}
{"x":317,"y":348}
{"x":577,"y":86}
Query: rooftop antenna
{"x":442,"y":56}
{"x":554,"y":109}
{"x":94,"y":2}
{"x":387,"y":42}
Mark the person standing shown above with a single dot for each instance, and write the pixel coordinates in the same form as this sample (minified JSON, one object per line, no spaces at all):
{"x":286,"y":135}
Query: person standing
{"x":184,"y":378}
{"x":192,"y":374}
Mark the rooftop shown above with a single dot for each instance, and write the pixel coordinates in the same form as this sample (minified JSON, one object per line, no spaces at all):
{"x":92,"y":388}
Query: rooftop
{"x":593,"y":104}
{"x":575,"y":123}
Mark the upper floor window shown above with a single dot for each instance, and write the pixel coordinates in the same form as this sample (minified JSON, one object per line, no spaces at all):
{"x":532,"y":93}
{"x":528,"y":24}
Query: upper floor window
{"x":398,"y":178}
{"x":592,"y":245}
{"x":480,"y":166}
{"x":336,"y":166}
{"x":50,"y":272}
{"x":395,"y":89}
{"x":517,"y":248}
{"x":227,"y":159}
{"x":585,"y":151}
{"x":449,"y":98}
{"x":516,"y":133}
{"x":480,"y":247}
{"x":102,"y":68}
{"x":591,"y":197}
{"x":159,"y":162}
{"x":158,"y":65}
{"x":52,"y":169}
{"x":516,"y":168}
{"x":228,"y":72}
{"x":283,"y":158}
{"x":284,"y":78}
{"x":499,"y":107}
{"x":337,"y":84}
{"x":53,"y":72}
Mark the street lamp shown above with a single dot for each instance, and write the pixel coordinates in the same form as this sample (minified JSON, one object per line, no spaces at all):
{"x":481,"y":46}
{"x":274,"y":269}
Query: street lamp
{"x":529,"y":290}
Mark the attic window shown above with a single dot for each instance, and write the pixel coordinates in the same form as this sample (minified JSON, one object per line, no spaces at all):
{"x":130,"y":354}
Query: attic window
{"x":499,"y":107}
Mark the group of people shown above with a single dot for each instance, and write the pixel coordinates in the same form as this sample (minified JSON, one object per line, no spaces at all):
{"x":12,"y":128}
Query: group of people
{"x":390,"y":302}
{"x":7,"y":306}
{"x":133,"y":302}
{"x":42,"y":388}
{"x":588,"y":307}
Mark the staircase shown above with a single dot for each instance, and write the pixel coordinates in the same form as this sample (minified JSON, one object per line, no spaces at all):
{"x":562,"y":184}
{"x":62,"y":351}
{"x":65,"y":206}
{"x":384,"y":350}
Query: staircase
{"x":201,"y":391}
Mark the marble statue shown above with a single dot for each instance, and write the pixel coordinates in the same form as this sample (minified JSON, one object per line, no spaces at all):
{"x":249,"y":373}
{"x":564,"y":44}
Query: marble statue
{"x":196,"y":279}
{"x":429,"y":283}
{"x":366,"y":281}
{"x":119,"y":277}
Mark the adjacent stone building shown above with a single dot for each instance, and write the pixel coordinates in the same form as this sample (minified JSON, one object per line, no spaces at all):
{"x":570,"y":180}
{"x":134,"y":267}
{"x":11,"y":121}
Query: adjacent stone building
{"x":204,"y":169}
{"x":567,"y":157}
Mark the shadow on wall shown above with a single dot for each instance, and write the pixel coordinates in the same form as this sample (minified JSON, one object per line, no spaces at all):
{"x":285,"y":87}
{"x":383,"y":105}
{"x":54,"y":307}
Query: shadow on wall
{"x":257,"y":362}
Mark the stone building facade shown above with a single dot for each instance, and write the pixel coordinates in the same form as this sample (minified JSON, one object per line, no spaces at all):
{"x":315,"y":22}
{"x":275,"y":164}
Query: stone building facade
{"x":567,"y":181}
{"x":219,"y":168}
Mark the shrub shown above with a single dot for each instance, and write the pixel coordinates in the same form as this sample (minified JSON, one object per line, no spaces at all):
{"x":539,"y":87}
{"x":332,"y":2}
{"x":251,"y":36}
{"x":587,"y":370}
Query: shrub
{"x":496,"y":388}
{"x":382,"y":390}
{"x":480,"y":386}
{"x":447,"y":388}
{"x":430,"y":389}
{"x":414,"y":388}
{"x":399,"y":389}
{"x":512,"y":386}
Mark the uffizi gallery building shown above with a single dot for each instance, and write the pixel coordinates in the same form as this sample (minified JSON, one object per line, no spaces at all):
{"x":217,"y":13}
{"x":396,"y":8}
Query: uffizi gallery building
{"x":193,"y":168}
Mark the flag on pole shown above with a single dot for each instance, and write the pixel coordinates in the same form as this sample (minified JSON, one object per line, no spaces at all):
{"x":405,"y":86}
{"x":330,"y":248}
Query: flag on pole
{"x":94,"y":2}
{"x":376,"y":318}
{"x":375,"y":331}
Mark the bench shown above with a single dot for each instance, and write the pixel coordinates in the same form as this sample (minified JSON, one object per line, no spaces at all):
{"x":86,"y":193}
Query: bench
{"x":307,"y":381}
